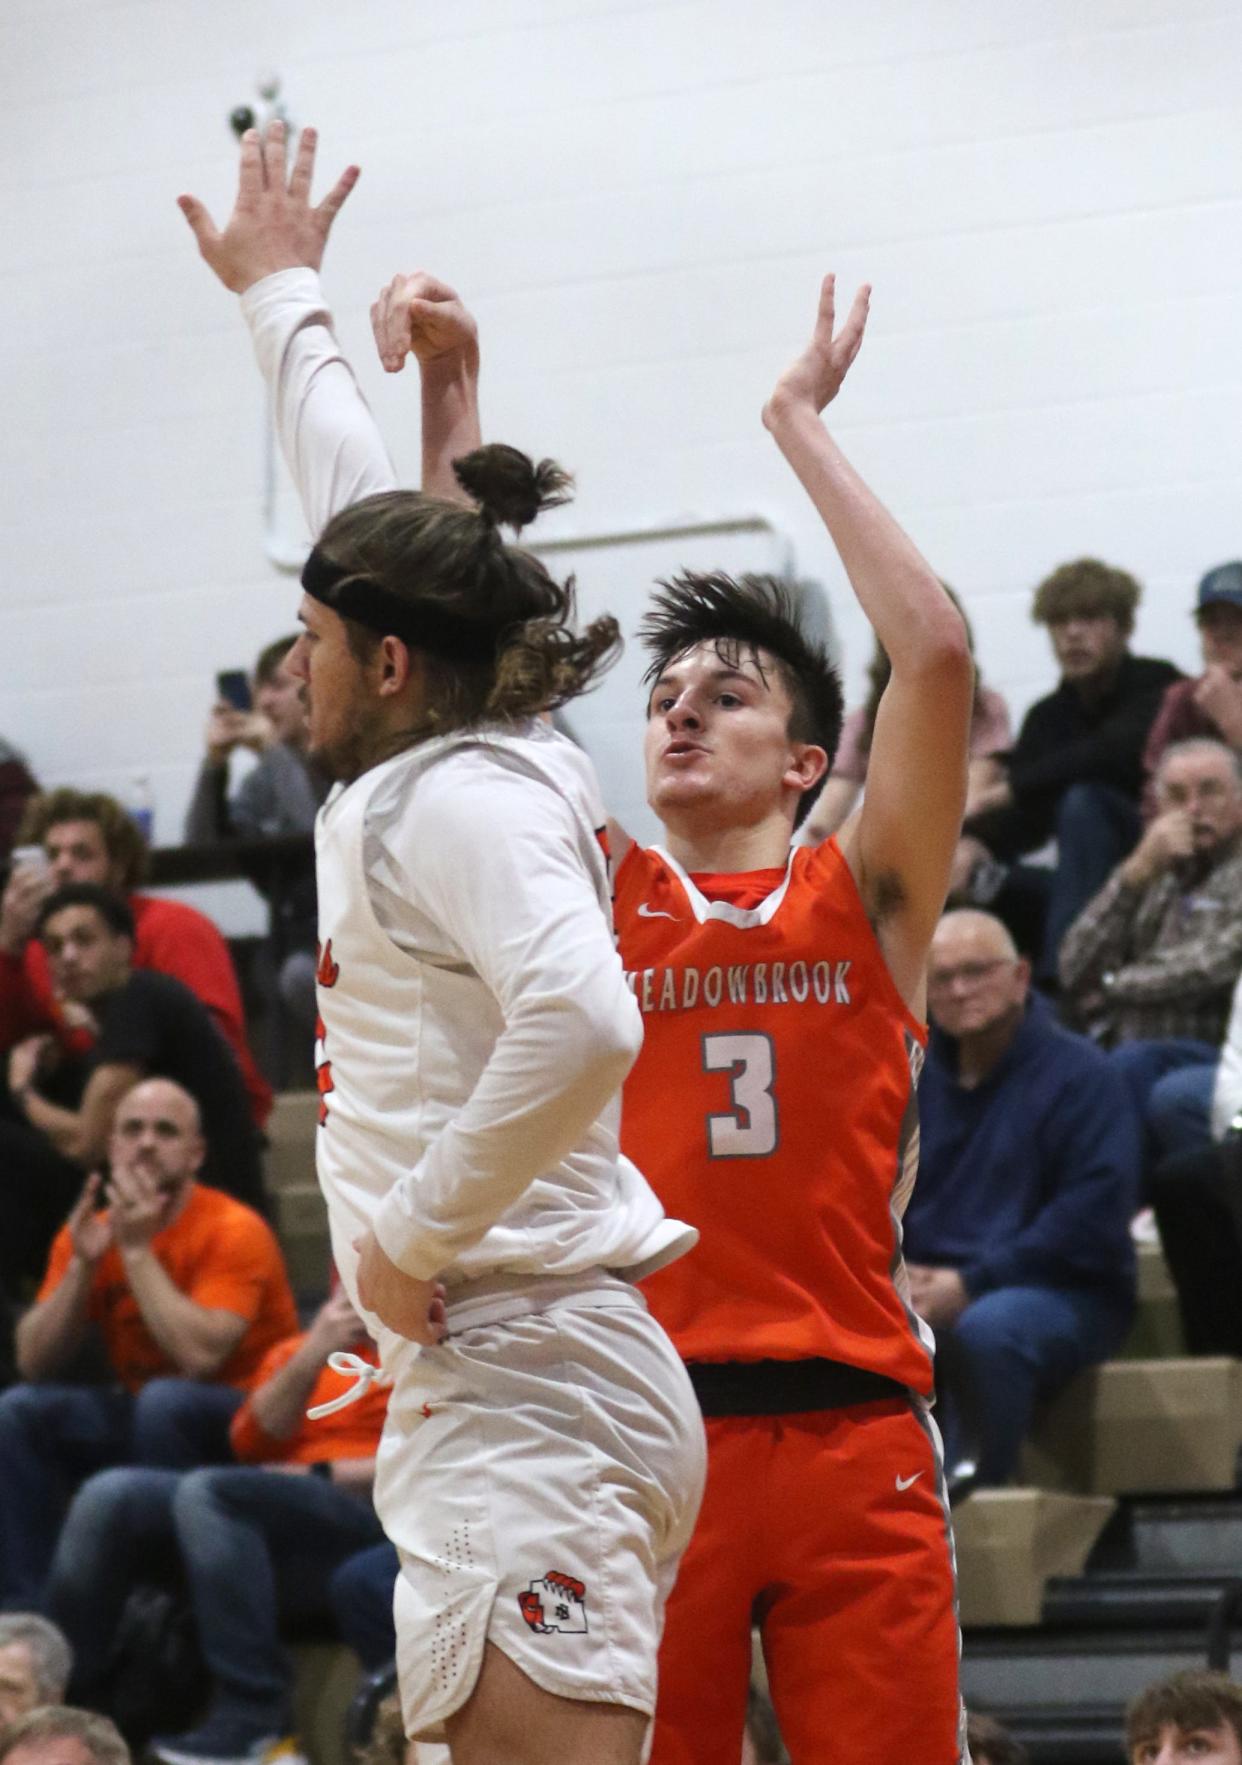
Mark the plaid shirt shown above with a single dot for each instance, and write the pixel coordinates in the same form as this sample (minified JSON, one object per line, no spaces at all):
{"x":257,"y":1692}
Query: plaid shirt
{"x":1160,"y":961}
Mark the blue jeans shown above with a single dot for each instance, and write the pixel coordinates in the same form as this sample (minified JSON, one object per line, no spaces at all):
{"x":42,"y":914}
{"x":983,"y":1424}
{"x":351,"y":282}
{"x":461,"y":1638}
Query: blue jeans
{"x":361,"y":1593}
{"x":255,"y":1545}
{"x":1171,"y":1083}
{"x":1020,"y":1344}
{"x":1096,"y":826}
{"x":52,"y":1436}
{"x":118,"y":1532}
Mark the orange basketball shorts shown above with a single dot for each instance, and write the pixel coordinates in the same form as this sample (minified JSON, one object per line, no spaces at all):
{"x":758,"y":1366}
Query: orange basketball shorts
{"x":829,"y":1530}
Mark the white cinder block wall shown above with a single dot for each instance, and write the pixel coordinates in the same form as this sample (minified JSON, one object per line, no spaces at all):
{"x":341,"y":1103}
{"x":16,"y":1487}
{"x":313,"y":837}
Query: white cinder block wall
{"x":638,"y":196}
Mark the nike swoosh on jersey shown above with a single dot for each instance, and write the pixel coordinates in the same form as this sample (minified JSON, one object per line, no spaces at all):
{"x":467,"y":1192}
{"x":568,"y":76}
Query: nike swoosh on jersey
{"x":903,"y":1483}
{"x":645,"y":912}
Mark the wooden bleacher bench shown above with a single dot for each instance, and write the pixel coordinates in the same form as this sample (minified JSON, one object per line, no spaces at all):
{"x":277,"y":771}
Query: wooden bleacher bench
{"x":1010,"y":1542}
{"x":300,"y":1217}
{"x":326,"y":1676}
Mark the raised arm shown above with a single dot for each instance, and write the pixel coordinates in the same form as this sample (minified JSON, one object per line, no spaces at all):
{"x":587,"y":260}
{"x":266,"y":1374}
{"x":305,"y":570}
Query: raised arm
{"x":901,"y":844}
{"x":421,"y":316}
{"x":270,"y":253}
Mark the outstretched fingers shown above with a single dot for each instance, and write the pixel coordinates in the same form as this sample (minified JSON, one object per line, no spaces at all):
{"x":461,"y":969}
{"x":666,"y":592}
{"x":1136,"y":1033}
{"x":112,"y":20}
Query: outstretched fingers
{"x":201,"y":224}
{"x":274,"y":155}
{"x":849,"y":342}
{"x":250,"y":167}
{"x":334,"y":201}
{"x":826,"y":317}
{"x":300,"y":178}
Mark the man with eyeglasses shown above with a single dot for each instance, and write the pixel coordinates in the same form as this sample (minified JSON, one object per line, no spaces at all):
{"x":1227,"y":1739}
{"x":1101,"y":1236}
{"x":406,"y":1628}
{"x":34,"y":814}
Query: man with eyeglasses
{"x":1017,"y":1237}
{"x":1150,"y":965}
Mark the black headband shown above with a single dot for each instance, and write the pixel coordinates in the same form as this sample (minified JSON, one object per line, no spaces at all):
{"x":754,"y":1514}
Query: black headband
{"x":422,"y":625}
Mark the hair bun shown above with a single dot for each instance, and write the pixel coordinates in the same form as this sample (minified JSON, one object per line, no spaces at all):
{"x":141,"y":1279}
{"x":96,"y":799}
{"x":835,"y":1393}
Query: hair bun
{"x":509,"y":487}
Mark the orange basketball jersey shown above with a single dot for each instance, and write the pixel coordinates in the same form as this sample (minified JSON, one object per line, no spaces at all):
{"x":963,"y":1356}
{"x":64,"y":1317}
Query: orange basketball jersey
{"x":772,"y":1106}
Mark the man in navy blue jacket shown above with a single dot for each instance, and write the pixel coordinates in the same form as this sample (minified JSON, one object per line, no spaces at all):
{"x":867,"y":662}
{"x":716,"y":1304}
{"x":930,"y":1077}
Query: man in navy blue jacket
{"x":1017,"y":1237}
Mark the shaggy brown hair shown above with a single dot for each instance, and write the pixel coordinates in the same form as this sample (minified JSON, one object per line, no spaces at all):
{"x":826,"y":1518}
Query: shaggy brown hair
{"x":443,"y":556}
{"x":1194,"y":1698}
{"x":267,"y":667}
{"x":126,"y":848}
{"x":1087,"y":589}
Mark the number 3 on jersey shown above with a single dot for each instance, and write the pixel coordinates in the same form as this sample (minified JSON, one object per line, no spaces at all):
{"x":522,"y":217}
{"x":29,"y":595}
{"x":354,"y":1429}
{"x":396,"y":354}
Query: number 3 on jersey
{"x":751,"y":1129}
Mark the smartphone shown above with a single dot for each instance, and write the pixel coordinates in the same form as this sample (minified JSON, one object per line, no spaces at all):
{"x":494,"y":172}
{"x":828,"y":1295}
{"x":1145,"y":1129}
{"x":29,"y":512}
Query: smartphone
{"x":29,"y":858}
{"x":233,"y":686}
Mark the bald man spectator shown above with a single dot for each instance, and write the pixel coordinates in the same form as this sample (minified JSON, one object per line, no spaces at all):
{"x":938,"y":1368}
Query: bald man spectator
{"x":187,"y":1290}
{"x":87,"y":837}
{"x":1017,"y":1236}
{"x":35,"y":1663}
{"x":1151,"y":964}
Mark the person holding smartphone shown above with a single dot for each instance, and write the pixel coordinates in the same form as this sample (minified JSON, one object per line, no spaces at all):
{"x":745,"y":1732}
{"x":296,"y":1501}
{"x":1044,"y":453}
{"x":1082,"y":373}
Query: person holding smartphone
{"x":279,"y":795}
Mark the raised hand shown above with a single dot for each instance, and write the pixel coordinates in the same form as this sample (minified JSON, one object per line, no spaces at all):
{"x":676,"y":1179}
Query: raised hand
{"x":815,"y":378}
{"x":421,"y":316}
{"x":27,"y":1060}
{"x":336,"y":1325}
{"x":90,"y":1231}
{"x":27,"y":889}
{"x":139,"y":1207}
{"x":1220,"y":696}
{"x":273,"y":225}
{"x":1167,"y":839}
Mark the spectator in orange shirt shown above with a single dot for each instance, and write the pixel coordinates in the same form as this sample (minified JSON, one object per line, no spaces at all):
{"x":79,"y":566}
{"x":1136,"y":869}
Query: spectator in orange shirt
{"x":255,"y":1541}
{"x":88,"y":838}
{"x":188,"y":1291}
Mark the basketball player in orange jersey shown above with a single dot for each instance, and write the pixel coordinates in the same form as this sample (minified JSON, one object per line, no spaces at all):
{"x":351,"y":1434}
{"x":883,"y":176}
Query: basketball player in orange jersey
{"x":772,"y":1106}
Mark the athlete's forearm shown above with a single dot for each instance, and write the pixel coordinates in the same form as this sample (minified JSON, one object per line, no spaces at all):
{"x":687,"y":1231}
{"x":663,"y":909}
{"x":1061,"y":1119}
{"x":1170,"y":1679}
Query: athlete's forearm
{"x":328,"y":436}
{"x":54,"y":1328}
{"x":895,"y":585}
{"x":450,"y":412}
{"x":551,"y":1074}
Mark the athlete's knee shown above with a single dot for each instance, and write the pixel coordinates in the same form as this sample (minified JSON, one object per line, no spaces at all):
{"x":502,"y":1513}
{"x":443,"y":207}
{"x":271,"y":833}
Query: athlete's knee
{"x":509,"y":1720}
{"x":997,"y":1327}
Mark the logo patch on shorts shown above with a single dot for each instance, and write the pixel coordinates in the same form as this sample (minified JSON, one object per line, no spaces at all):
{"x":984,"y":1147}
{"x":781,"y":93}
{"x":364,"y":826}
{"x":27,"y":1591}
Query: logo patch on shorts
{"x":557,"y":1602}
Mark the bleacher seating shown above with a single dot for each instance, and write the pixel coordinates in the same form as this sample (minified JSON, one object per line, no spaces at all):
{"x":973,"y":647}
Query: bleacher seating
{"x":300,"y":1217}
{"x":1124,"y":1563}
{"x":326,"y":1674}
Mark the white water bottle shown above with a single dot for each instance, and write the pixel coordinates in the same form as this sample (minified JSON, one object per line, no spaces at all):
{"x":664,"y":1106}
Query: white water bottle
{"x":141,"y":806}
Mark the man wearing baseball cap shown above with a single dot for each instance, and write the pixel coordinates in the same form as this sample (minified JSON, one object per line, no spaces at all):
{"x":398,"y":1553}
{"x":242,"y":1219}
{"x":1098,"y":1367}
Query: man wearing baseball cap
{"x":1211,"y":704}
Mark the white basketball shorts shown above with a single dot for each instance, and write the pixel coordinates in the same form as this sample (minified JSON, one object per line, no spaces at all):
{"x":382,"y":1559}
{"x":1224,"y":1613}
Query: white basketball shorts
{"x":540,"y":1473}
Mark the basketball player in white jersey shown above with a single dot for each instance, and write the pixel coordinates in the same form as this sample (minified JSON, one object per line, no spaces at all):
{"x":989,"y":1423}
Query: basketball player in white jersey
{"x":543,"y":1459}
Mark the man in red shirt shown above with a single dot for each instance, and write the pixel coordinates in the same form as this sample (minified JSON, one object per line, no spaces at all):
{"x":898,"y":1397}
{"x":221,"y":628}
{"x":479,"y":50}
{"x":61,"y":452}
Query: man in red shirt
{"x":188,"y":1290}
{"x":88,"y":838}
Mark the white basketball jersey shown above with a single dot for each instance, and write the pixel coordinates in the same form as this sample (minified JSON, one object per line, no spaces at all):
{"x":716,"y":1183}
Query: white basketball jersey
{"x":426,"y":968}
